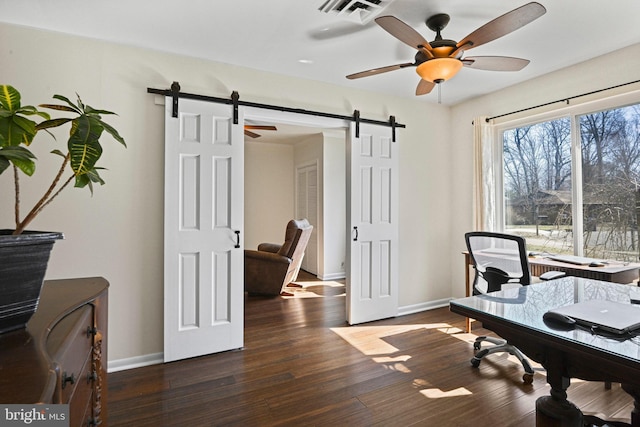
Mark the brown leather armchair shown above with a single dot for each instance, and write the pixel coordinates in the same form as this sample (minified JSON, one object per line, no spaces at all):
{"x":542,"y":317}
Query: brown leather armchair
{"x":272,"y":267}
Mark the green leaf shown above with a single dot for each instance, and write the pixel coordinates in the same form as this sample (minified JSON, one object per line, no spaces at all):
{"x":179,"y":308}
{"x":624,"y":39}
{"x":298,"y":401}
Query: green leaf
{"x":114,"y":133}
{"x":16,"y":130}
{"x":4,"y":164}
{"x":83,"y":155}
{"x":20,"y":157}
{"x":86,"y":129}
{"x":53,"y":123}
{"x":26,"y":125}
{"x":59,"y":107}
{"x":95,"y":177}
{"x":91,"y":110}
{"x":75,"y":108}
{"x":88,"y":179}
{"x":15,"y":127}
{"x":9,"y":98}
{"x":26,"y":166}
{"x":82,"y":181}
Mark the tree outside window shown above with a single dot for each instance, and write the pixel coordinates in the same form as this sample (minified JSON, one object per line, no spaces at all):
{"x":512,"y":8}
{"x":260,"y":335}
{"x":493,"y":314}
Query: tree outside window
{"x":538,"y":184}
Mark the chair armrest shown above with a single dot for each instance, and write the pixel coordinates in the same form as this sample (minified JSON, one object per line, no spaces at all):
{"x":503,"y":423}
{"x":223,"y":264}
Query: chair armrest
{"x":264,"y":272}
{"x":269,"y":247}
{"x":264,"y":256}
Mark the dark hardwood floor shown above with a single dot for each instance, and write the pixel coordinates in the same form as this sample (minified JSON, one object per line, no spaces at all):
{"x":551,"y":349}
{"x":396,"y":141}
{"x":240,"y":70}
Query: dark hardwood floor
{"x":302,"y":365}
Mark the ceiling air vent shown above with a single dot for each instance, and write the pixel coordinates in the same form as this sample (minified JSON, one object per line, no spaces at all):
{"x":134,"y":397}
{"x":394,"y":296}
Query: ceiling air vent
{"x":360,"y":11}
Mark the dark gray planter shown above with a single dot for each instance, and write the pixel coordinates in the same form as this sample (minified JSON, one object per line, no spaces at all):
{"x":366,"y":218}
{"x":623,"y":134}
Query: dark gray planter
{"x":23,"y":264}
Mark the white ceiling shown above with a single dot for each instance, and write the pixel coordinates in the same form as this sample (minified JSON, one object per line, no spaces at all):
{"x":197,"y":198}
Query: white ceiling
{"x":277,"y":35}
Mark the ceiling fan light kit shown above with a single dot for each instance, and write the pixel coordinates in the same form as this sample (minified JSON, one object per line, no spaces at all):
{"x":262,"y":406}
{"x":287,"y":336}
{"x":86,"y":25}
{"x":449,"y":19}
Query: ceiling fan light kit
{"x":438,"y":70}
{"x":442,"y":59}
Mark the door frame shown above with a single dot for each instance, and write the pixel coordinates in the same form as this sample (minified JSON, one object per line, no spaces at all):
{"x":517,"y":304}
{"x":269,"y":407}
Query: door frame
{"x":346,"y":125}
{"x":267,"y":115}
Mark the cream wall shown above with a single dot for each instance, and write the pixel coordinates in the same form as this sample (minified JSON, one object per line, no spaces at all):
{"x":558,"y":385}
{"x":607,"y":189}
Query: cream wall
{"x":270,"y":171}
{"x":268,"y":192}
{"x":610,"y":70}
{"x":117,"y":233}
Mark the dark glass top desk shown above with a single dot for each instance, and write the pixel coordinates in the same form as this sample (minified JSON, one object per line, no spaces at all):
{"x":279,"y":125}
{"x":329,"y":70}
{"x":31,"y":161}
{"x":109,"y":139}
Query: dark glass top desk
{"x":516,"y":315}
{"x":614,"y":271}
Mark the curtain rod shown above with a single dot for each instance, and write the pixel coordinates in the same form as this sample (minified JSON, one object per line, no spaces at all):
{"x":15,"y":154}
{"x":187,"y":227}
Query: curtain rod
{"x":236,"y":101}
{"x":562,"y":100}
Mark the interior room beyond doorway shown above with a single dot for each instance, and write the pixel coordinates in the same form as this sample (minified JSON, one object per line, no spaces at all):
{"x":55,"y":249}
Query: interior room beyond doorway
{"x":280,"y":167}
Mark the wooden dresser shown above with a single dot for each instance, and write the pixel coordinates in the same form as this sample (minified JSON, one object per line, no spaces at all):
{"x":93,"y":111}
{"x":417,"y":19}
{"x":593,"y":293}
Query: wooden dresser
{"x":61,"y":357}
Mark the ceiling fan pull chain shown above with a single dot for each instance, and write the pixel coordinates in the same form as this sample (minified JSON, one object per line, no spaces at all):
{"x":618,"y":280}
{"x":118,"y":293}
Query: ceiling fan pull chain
{"x":439,"y":93}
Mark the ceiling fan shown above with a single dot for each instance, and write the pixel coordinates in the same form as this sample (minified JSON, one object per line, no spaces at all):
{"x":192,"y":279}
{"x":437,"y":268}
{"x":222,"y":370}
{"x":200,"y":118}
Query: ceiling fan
{"x":441,"y":59}
{"x":249,"y":128}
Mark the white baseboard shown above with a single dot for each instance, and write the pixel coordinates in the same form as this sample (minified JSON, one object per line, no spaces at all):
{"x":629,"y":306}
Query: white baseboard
{"x":157,"y":358}
{"x":417,"y":308}
{"x":333,"y":276}
{"x":135,"y":362}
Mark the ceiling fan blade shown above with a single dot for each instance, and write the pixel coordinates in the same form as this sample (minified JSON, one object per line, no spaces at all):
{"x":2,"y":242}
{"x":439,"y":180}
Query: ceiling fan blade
{"x":380,"y":70}
{"x":260,"y":127}
{"x":403,"y":32}
{"x":424,"y":87}
{"x":495,"y":63}
{"x":503,"y":25}
{"x":251,"y":134}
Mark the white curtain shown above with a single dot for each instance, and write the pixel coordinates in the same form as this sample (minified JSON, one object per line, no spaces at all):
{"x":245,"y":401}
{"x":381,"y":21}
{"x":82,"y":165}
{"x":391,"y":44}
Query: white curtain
{"x":484,"y":178}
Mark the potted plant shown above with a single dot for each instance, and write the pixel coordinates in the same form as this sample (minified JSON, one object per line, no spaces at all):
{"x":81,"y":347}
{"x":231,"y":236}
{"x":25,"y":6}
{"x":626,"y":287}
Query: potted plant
{"x":24,"y":254}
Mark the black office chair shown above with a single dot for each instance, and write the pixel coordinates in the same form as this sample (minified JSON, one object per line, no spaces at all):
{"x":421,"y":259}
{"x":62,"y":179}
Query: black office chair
{"x":500,"y":260}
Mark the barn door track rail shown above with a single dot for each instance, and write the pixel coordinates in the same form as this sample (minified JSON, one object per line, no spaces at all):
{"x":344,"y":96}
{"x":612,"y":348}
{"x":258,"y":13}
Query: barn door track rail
{"x":175,"y":94}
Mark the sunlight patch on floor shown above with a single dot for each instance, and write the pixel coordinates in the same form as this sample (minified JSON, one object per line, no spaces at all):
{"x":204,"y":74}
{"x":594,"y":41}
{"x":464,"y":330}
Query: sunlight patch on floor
{"x":315,"y":289}
{"x":466,"y":337}
{"x":403,"y":358}
{"x":436,"y":393}
{"x":370,"y":339}
{"x":394,"y":363}
{"x":329,"y":283}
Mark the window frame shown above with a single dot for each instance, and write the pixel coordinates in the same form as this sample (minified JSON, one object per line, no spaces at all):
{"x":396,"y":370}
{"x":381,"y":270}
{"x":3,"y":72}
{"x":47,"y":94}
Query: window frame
{"x":573,"y":112}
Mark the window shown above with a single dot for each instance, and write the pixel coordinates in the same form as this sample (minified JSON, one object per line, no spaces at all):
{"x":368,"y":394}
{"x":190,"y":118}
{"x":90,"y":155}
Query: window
{"x":571,"y":184}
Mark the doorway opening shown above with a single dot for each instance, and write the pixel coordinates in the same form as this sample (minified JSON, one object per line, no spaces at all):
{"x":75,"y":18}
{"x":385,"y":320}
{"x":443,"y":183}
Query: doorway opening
{"x":298,"y":171}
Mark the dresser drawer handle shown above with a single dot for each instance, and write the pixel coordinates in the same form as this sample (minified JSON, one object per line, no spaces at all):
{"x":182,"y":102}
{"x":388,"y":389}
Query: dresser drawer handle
{"x":67,"y":379}
{"x":92,"y":376}
{"x":91,"y":331}
{"x":94,"y":422}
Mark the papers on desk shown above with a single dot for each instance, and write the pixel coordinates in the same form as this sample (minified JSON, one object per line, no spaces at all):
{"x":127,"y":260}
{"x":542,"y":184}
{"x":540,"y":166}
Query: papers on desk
{"x":570,"y":259}
{"x":573,"y":259}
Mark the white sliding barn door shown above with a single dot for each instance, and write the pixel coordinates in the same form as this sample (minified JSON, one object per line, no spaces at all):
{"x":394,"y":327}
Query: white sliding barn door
{"x":372,"y":219}
{"x":204,"y":256}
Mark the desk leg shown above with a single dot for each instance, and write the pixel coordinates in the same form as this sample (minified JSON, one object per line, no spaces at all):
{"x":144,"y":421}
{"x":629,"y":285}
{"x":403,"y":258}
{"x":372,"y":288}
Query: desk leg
{"x":555,"y":410}
{"x":635,"y":414}
{"x":467,"y":283}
